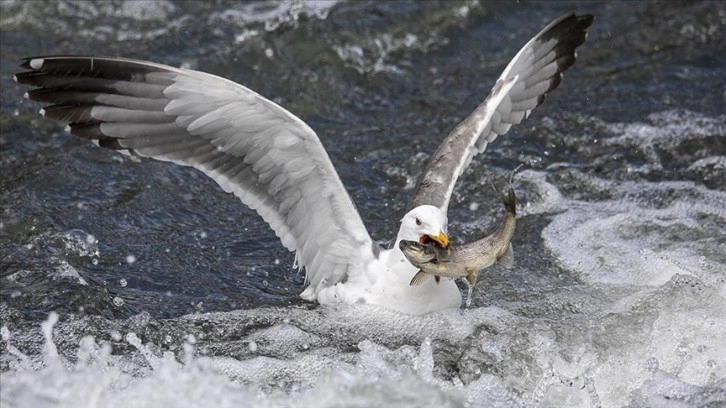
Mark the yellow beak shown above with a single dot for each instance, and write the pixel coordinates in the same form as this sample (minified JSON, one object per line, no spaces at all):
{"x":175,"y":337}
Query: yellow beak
{"x":441,"y":239}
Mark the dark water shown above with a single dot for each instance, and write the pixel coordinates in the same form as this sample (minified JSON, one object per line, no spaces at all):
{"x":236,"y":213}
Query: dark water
{"x":623,"y":187}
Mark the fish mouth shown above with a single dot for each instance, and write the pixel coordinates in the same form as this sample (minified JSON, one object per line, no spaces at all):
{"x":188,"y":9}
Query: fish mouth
{"x":440,"y":240}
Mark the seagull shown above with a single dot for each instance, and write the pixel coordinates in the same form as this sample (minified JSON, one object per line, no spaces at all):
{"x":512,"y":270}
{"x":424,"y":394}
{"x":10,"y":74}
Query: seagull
{"x":276,"y":164}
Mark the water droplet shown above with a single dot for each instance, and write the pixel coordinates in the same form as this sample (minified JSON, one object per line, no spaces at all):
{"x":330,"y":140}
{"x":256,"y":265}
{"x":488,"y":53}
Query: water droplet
{"x":652,"y":365}
{"x":130,"y":259}
{"x":115,"y":335}
{"x":94,"y":261}
{"x":252,"y":346}
{"x":118,"y":301}
{"x":264,"y":283}
{"x":5,"y":333}
{"x":122,"y":282}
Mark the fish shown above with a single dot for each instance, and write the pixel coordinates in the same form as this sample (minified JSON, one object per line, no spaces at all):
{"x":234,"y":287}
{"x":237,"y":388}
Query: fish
{"x":468,"y":260}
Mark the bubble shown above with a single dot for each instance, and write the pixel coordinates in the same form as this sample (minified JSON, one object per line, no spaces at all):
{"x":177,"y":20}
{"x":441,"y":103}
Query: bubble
{"x":130,"y":259}
{"x":252,"y":346}
{"x":94,"y":261}
{"x":122,"y":282}
{"x":118,"y":301}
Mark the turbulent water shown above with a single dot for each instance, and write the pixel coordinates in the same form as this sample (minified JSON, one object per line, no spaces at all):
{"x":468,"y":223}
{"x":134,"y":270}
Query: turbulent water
{"x":135,"y":283}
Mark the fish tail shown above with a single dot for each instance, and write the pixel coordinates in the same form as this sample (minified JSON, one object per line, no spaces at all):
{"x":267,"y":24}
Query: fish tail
{"x":510,"y":201}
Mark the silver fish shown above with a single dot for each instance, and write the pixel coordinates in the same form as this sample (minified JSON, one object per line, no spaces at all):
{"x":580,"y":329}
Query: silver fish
{"x":466,"y":261}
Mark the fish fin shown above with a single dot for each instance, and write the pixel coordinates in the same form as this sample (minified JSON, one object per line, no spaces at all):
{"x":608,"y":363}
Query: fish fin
{"x":419,"y":278}
{"x":507,"y":258}
{"x":471,"y":278}
{"x":437,"y":278}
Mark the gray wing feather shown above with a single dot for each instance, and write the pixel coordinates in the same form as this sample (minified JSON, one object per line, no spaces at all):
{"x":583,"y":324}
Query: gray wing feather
{"x":250,"y":146}
{"x":535,"y":70}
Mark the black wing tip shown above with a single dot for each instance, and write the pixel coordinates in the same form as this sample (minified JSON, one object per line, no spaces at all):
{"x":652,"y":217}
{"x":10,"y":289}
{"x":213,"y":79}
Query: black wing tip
{"x":115,"y":68}
{"x":570,"y":31}
{"x":36,"y":62}
{"x":582,"y":20}
{"x":586,"y":20}
{"x":570,"y":27}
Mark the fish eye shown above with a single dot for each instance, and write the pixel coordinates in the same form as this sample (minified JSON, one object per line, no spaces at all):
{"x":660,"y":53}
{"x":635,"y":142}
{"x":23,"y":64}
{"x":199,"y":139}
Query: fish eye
{"x":418,"y":222}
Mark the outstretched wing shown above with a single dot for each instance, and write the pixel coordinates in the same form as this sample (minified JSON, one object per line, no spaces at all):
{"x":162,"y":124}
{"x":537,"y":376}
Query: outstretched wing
{"x":252,"y":147}
{"x":535,"y":70}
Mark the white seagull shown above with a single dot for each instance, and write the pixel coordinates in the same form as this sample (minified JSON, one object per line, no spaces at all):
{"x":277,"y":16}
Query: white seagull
{"x":276,"y":164}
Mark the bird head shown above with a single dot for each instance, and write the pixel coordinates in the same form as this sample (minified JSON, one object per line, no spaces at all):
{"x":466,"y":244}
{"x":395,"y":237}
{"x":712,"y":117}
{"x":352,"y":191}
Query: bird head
{"x":425,"y":224}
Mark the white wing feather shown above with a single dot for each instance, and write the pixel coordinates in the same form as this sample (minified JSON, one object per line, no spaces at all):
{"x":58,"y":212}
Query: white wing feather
{"x":249,"y":145}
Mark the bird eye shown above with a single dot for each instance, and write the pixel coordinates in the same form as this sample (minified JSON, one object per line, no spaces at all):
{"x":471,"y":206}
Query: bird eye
{"x":418,"y":222}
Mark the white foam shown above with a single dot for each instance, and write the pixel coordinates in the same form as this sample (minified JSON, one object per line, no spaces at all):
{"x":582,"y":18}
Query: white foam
{"x":374,"y":357}
{"x":647,"y":232}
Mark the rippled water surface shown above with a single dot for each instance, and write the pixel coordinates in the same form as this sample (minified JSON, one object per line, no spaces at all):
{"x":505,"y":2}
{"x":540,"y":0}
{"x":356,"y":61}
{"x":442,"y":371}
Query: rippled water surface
{"x":169,"y":292}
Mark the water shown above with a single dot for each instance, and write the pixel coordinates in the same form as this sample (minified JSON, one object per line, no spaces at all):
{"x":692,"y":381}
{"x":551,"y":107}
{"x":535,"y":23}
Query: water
{"x":135,"y":283}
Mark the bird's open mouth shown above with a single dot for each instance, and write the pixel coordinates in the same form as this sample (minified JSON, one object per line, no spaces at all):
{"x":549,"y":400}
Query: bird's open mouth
{"x":440,"y":241}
